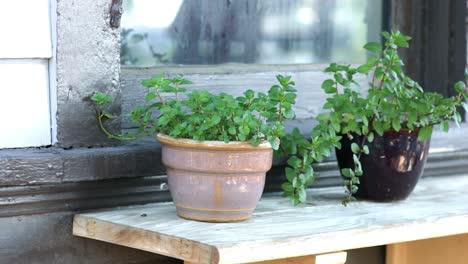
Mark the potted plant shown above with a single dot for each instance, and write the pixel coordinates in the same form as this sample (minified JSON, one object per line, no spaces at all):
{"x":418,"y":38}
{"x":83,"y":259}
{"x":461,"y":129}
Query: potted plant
{"x":217,"y":148}
{"x":381,"y":135}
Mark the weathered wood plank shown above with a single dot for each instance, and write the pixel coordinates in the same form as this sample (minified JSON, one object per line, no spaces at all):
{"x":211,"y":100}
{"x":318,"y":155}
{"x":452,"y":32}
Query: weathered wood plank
{"x":450,"y":249}
{"x":278,"y":230}
{"x":142,"y":239}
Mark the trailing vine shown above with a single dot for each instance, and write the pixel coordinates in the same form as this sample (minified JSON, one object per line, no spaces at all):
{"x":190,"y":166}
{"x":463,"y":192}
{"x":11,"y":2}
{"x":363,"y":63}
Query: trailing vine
{"x":393,"y":102}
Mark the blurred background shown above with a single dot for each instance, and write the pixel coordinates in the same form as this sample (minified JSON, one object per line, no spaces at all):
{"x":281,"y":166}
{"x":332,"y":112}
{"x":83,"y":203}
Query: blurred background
{"x":191,"y":32}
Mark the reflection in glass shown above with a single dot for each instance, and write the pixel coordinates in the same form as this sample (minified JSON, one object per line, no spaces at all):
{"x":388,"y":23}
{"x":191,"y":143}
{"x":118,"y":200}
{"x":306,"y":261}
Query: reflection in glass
{"x":161,"y":32}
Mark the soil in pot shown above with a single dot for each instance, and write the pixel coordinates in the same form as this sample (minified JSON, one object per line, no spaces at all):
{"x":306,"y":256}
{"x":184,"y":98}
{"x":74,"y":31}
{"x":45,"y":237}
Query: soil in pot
{"x":393,"y":167}
{"x":215,"y":181}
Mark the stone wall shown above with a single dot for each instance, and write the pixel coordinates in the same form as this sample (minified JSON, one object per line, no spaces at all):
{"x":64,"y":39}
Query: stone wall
{"x":88,"y":59}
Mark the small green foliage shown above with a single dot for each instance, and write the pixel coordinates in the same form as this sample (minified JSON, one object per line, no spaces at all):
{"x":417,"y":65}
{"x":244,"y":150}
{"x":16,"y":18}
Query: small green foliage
{"x":101,"y":98}
{"x":393,"y":102}
{"x":426,"y":132}
{"x":355,"y":148}
{"x":374,"y":47}
{"x":201,"y":115}
{"x":365,"y":150}
{"x":329,"y":86}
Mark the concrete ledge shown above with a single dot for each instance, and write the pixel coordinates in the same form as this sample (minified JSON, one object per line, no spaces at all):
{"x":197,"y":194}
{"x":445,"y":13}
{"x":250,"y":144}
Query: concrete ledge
{"x":68,"y":196}
{"x":56,"y":165}
{"x":449,"y":154}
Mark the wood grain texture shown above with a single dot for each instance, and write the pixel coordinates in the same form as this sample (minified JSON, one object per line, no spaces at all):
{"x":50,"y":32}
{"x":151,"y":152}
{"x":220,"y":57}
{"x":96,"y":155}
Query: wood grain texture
{"x":449,"y":249}
{"x":277,"y":230}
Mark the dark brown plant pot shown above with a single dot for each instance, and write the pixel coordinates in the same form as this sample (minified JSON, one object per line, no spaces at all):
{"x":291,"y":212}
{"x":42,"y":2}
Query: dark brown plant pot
{"x":393,"y":167}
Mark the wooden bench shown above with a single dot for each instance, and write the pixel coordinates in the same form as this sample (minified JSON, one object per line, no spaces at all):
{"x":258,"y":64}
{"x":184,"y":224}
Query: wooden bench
{"x":318,"y":232}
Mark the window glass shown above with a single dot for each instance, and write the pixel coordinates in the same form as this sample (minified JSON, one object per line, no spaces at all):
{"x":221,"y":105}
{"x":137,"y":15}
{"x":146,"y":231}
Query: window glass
{"x":162,"y":32}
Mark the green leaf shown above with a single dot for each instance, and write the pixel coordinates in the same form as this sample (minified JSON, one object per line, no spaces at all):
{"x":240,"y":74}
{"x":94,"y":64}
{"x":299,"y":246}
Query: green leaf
{"x":331,"y":68}
{"x":457,"y":118}
{"x":150,"y":96}
{"x":370,"y":137}
{"x":339,"y":78}
{"x":108,"y":115}
{"x":245,"y":130}
{"x":302,"y":194}
{"x":372,"y":61}
{"x":425,"y":133}
{"x":347,"y":172}
{"x":295,"y":200}
{"x":373,"y":46}
{"x":355,"y":148}
{"x":294,"y":162}
{"x":359,"y":172}
{"x":460,"y":87}
{"x":242,"y":137}
{"x":249,"y":94}
{"x":329,"y":86}
{"x":396,"y":124}
{"x":148,"y":83}
{"x":465,"y":106}
{"x":185,"y":81}
{"x":385,"y":34}
{"x":287,"y":187}
{"x":364,"y":68}
{"x":401,"y":41}
{"x":274,"y":143}
{"x":356,"y":159}
{"x":288,"y":114}
{"x":378,"y":127}
{"x":365,"y":149}
{"x":290,"y":174}
{"x":101,"y":98}
{"x":290,"y":97}
{"x":355,"y":180}
{"x":444,"y":126}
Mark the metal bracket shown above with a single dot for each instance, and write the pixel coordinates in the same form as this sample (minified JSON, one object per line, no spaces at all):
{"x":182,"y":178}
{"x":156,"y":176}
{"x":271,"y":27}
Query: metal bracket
{"x":115,"y":13}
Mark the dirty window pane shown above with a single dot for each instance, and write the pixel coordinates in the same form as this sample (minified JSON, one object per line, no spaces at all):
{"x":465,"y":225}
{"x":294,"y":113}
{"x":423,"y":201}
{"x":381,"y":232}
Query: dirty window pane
{"x":162,"y":32}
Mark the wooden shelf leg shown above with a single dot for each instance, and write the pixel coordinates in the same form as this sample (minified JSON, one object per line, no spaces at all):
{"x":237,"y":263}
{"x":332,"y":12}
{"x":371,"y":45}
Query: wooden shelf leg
{"x":330,"y":258}
{"x":449,"y":249}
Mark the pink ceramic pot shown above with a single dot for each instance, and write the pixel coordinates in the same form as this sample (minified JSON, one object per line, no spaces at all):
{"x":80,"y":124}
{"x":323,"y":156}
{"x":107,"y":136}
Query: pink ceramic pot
{"x":215,"y":181}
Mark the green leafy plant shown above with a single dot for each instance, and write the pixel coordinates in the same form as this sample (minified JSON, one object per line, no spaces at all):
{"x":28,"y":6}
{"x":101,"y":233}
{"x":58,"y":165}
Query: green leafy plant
{"x":201,"y":115}
{"x":393,"y":102}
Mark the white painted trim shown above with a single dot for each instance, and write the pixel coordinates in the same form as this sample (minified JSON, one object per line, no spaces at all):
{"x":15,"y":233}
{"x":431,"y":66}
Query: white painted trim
{"x":53,"y":71}
{"x":24,"y":103}
{"x":25,"y":29}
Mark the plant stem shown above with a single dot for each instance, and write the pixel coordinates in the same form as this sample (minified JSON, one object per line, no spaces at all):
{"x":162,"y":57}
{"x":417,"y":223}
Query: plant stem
{"x":100,"y":115}
{"x":159,"y":96}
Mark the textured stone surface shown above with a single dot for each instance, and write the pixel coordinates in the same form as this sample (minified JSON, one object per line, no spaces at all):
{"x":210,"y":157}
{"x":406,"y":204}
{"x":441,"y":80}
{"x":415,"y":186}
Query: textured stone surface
{"x":30,"y":166}
{"x":53,"y":165}
{"x":143,"y":158}
{"x":88,"y":59}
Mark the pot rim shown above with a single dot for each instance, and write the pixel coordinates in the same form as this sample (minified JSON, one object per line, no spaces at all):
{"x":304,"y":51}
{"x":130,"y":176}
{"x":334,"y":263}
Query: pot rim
{"x":210,"y":145}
